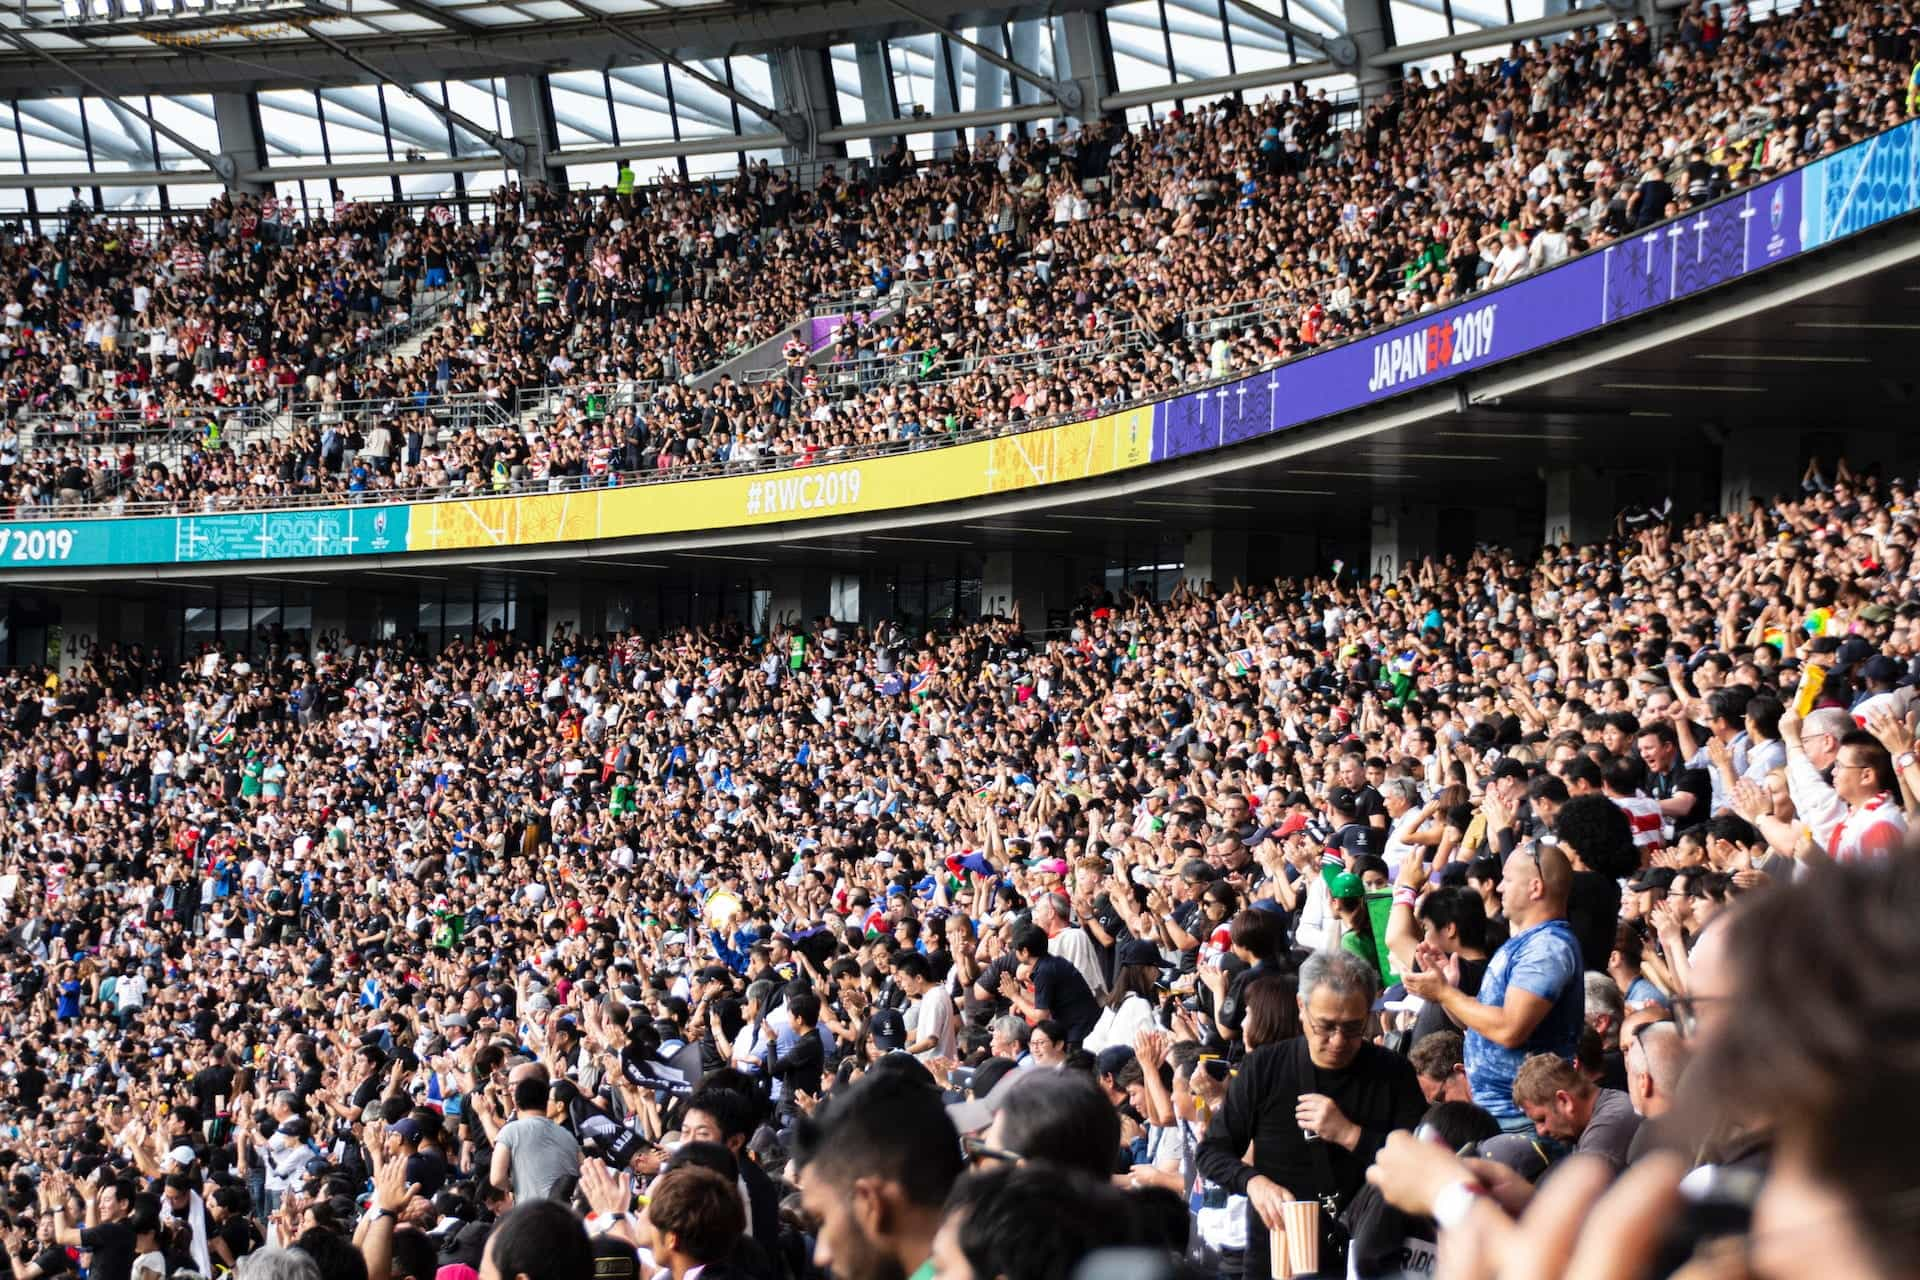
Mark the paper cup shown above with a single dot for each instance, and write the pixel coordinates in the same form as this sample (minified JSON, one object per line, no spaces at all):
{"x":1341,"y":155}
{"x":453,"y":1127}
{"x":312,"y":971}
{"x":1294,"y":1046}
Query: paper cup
{"x":1302,"y":1219}
{"x":1277,"y":1261}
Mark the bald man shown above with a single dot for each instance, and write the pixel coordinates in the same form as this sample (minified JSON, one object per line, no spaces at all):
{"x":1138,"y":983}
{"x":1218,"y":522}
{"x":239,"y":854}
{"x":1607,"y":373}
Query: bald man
{"x":1656,"y":1057}
{"x":1532,"y":999}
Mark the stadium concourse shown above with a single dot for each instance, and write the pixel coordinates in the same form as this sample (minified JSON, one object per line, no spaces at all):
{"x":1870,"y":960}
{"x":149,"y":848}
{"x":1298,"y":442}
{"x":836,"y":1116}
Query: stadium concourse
{"x":1148,"y":675}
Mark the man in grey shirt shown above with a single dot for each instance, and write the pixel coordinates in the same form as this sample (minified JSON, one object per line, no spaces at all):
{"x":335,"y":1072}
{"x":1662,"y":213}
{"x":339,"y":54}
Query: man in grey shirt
{"x":1564,"y":1104}
{"x":531,"y":1153}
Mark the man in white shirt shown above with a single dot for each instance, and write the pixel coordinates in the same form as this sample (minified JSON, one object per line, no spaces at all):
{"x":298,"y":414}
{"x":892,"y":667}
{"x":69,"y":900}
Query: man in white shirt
{"x":933,"y":1033}
{"x":1053,"y":912}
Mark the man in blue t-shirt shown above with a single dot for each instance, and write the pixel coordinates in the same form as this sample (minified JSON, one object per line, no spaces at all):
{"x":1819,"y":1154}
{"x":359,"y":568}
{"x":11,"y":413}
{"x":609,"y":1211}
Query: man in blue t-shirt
{"x":1533,"y":997}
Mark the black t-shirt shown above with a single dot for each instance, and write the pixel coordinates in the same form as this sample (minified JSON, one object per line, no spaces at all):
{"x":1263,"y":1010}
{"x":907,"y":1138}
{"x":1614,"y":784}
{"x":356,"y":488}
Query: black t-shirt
{"x":1387,"y":1242}
{"x":112,"y":1247}
{"x":242,"y":1235}
{"x":1681,"y":780}
{"x":211,"y":1086}
{"x":28,"y":1084}
{"x":1378,"y":1091}
{"x":53,"y":1261}
{"x":1233,"y":1009}
{"x":427,"y":1169}
{"x":1063,"y":994}
{"x":1593,"y":913}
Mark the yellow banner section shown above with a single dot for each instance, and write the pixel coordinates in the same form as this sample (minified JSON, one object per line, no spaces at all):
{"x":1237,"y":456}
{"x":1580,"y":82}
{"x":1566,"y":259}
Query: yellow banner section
{"x":1074,"y":451}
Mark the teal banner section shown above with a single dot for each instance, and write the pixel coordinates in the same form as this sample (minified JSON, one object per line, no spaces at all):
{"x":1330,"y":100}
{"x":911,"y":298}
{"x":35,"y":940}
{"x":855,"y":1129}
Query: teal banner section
{"x":255,"y":535}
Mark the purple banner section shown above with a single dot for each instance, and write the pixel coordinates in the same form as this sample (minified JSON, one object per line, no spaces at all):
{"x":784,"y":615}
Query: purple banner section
{"x":821,"y":332}
{"x":1718,"y":243}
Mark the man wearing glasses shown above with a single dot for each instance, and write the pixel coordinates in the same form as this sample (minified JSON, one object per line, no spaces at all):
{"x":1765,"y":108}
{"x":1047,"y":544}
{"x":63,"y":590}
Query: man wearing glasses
{"x":1859,"y":815}
{"x":1316,"y":1108}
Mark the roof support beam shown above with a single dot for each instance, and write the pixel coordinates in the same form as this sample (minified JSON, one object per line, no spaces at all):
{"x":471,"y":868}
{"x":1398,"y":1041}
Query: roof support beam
{"x":1552,"y":24}
{"x":1217,"y":86}
{"x":221,"y":165}
{"x":434,"y":13}
{"x":1336,"y":49}
{"x":511,"y":151}
{"x":1064,"y":92}
{"x":793,"y":126}
{"x":946,"y":123}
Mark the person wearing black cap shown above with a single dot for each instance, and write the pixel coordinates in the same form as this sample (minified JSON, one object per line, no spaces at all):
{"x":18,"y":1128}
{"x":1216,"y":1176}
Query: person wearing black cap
{"x":1350,"y":833}
{"x":886,"y":1032}
{"x":1128,"y":1005}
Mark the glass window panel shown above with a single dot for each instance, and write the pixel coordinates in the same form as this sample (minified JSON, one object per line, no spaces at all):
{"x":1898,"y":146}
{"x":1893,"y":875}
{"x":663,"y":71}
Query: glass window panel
{"x":591,"y":177}
{"x":476,"y":101}
{"x":912,"y":60}
{"x":580,"y":108}
{"x":1197,"y":57}
{"x":288,"y":123}
{"x":118,"y":135}
{"x":353,"y":124}
{"x":419,"y":186}
{"x":1139,"y":45}
{"x":52,"y":137}
{"x":703,"y":112}
{"x":130,"y":200}
{"x":1336,"y":87}
{"x":484,"y":181}
{"x":417,"y":128}
{"x":459,"y":615}
{"x":1256,"y":45}
{"x":191,"y":116}
{"x":640,"y":104}
{"x":360,"y":189}
{"x":193,"y":195}
{"x":754,"y":78}
{"x":845,"y":63}
{"x":983,"y":86}
{"x":1412,"y":23}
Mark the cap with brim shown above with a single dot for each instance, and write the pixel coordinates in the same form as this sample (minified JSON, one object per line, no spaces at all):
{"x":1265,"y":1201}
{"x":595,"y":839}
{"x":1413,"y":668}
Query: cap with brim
{"x":1516,"y":1151}
{"x":1133,"y":951}
{"x":1651,"y":878}
{"x":977,"y":1113}
{"x":888,"y":1029}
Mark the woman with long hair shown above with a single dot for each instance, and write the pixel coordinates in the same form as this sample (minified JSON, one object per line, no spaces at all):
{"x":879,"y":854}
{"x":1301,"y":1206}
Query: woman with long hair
{"x":1273,"y":1009}
{"x":1130,"y":999}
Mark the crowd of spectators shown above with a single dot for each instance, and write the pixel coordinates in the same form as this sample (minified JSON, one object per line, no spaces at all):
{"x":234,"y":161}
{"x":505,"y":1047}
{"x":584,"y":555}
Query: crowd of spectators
{"x":1304,"y":927}
{"x":1020,"y":279}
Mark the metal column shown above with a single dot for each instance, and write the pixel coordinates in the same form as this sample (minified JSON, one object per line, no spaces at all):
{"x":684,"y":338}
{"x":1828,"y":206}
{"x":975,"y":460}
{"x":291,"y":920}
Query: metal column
{"x":1089,"y":61}
{"x":1371,"y":30}
{"x":236,"y":121}
{"x":531,"y":111}
{"x":876,"y":90}
{"x":803,"y":91}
